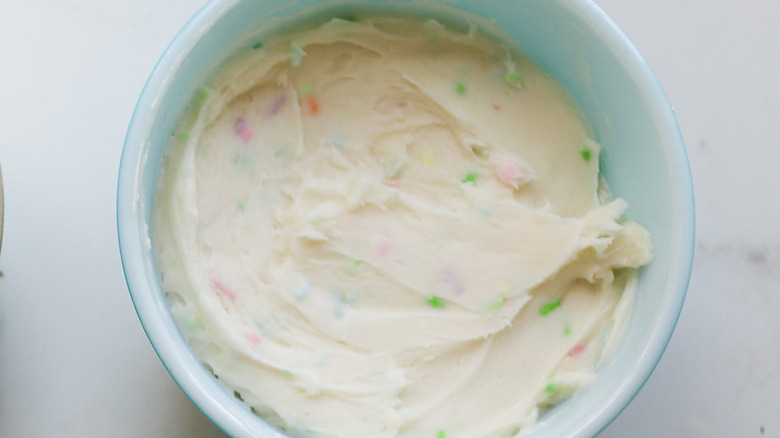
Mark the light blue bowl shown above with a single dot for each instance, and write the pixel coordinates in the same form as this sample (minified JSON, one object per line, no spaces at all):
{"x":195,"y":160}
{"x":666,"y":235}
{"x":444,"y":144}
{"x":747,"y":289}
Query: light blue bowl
{"x":644,"y":161}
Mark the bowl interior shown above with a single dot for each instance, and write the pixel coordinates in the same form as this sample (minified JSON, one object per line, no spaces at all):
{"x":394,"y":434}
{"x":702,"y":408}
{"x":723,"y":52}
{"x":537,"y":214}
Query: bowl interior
{"x":643,"y":160}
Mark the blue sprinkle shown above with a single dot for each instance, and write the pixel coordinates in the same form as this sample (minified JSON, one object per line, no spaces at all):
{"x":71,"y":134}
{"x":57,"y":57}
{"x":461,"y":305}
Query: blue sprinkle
{"x":351,"y":298}
{"x":302,"y":291}
{"x":299,"y":433}
{"x":338,"y":307}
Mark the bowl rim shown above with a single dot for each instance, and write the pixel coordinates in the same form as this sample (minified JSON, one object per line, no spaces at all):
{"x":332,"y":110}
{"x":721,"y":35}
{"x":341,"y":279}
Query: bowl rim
{"x":210,"y":397}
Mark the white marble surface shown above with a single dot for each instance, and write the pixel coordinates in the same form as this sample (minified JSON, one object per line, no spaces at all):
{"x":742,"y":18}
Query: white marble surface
{"x":74,"y":361}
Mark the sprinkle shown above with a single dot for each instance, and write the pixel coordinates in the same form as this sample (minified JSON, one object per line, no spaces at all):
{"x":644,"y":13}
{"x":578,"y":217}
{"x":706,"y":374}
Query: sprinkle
{"x":351,"y":18}
{"x":471,"y":177}
{"x":551,"y":387}
{"x":391,"y":182}
{"x":512,"y":77}
{"x":567,"y":330}
{"x":549,"y":307}
{"x":240,"y":160}
{"x":305,"y":89}
{"x":428,"y":159}
{"x":241,"y":207}
{"x":296,"y":54}
{"x":312,"y":105}
{"x":441,"y":434}
{"x":338,"y":307}
{"x":354,"y":264}
{"x":435,"y":301}
{"x":183,"y":136}
{"x":302,"y":291}
{"x":242,"y":129}
{"x":300,"y":433}
{"x":485,"y":212}
{"x":193,"y":323}
{"x":254,"y":338}
{"x":282,"y":153}
{"x":586,"y":152}
{"x":277,"y":105}
{"x":257,"y":45}
{"x":460,"y":89}
{"x":202,"y":94}
{"x":495,"y":305}
{"x":384,"y":249}
{"x":223,"y":289}
{"x":578,"y":349}
{"x":509,"y":174}
{"x":350,"y":298}
{"x":453,"y":280}
{"x":200,"y":97}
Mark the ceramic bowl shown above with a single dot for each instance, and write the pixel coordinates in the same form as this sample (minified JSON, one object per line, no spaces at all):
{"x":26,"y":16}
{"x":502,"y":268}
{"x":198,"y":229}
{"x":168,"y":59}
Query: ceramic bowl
{"x":643,"y":160}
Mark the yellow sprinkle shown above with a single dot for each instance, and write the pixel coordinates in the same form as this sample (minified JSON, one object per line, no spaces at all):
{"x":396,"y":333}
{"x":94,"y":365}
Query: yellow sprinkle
{"x":428,"y":159}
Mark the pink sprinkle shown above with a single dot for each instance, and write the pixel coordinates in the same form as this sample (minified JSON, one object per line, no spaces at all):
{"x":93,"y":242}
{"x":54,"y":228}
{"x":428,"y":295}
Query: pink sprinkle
{"x":578,"y":349}
{"x":242,"y":129}
{"x":509,"y":174}
{"x":223,"y":289}
{"x":391,"y":182}
{"x":384,"y":249}
{"x":277,"y":105}
{"x":453,"y":280}
{"x":254,"y":338}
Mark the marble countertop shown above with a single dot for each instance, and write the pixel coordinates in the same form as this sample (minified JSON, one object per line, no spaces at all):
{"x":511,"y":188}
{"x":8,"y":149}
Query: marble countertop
{"x":74,"y":361}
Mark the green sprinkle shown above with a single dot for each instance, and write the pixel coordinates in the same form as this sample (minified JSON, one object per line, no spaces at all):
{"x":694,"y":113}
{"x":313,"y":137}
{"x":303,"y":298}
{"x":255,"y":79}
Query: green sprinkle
{"x":497,"y":304}
{"x":441,"y":434}
{"x":551,"y":387}
{"x":471,"y":177}
{"x":305,"y":89}
{"x":549,"y":307}
{"x":241,"y":207}
{"x":353,"y":264}
{"x":351,"y":18}
{"x":193,"y":323}
{"x":567,"y":330}
{"x":240,"y":160}
{"x":202,"y":94}
{"x":436,"y":302}
{"x":183,"y":136}
{"x":460,"y":89}
{"x":586,"y":153}
{"x":282,"y":154}
{"x":199,"y":98}
{"x":256,"y":46}
{"x":512,"y":77}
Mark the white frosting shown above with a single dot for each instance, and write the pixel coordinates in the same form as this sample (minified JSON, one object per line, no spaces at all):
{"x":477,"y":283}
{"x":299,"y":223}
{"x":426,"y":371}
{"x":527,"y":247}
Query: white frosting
{"x":391,"y":229}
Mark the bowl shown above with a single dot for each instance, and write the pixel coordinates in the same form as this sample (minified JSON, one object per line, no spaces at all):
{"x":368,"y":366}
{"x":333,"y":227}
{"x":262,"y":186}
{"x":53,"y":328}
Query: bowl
{"x":643,"y":160}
